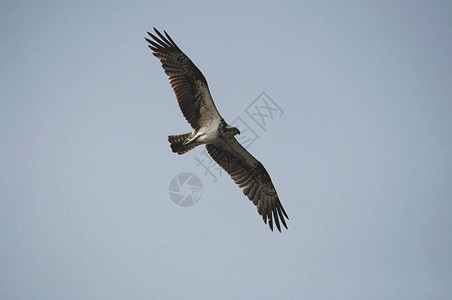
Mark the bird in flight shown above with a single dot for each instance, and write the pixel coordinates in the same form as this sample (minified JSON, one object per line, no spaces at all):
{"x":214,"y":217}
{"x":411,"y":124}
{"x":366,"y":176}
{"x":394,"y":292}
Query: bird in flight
{"x":210,"y":129}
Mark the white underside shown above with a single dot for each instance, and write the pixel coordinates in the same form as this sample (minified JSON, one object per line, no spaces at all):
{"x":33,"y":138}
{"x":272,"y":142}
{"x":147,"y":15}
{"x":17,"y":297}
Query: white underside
{"x":208,"y":134}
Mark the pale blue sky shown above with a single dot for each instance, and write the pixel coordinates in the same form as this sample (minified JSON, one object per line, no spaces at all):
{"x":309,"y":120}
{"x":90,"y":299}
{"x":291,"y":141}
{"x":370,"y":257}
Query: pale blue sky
{"x":360,"y":158}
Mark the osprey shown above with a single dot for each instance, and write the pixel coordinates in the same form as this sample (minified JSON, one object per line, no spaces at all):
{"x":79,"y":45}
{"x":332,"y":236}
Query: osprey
{"x":210,"y":128}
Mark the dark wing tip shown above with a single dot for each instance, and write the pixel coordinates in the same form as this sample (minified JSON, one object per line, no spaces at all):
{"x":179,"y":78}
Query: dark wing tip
{"x":275,"y":214}
{"x":171,"y":40}
{"x":164,"y":40}
{"x":159,"y":40}
{"x":281,"y":216}
{"x":254,"y":180}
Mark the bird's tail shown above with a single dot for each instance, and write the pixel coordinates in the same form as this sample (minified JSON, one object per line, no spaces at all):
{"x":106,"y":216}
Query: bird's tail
{"x":181,"y":143}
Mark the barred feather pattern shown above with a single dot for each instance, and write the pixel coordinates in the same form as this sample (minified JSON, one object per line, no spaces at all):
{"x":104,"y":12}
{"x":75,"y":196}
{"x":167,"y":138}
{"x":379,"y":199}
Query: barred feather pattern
{"x":250,"y":174}
{"x":177,"y":143}
{"x":198,"y":108}
{"x":187,"y":81}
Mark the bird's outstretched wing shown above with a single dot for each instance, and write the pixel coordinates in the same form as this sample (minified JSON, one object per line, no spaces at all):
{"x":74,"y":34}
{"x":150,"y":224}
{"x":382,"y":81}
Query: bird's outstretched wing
{"x":187,"y":81}
{"x":250,"y":174}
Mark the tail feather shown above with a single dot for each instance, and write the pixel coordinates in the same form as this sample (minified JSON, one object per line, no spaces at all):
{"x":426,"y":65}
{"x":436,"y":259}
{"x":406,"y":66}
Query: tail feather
{"x":178,"y":143}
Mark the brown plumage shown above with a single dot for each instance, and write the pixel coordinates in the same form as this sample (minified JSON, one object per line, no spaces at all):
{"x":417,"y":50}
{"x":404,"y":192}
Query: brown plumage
{"x":187,"y":81}
{"x":197,"y":106}
{"x":177,"y":143}
{"x":250,"y":174}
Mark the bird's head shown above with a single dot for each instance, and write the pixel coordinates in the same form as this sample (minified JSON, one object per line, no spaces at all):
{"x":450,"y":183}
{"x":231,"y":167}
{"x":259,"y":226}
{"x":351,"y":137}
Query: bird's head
{"x":231,"y":131}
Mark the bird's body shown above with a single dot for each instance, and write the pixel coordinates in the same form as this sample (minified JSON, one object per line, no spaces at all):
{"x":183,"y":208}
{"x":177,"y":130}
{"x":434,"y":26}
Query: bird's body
{"x":210,"y":133}
{"x":210,"y":129}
